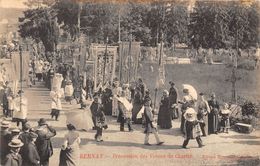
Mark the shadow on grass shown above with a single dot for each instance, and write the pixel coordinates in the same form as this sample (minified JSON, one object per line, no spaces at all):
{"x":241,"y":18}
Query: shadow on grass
{"x":247,"y":142}
{"x":242,"y":136}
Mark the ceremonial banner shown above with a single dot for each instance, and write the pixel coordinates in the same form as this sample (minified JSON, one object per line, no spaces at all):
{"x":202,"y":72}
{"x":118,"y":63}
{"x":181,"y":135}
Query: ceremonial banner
{"x":16,"y":65}
{"x":129,"y":60}
{"x":105,"y":63}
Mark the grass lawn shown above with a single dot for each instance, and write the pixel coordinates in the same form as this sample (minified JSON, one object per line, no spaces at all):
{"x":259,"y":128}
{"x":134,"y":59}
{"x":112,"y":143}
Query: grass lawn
{"x":205,"y":78}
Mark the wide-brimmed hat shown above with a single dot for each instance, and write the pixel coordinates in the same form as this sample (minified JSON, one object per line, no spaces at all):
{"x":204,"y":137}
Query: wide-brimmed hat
{"x":33,"y":135}
{"x":16,"y":143}
{"x":5,"y":124}
{"x":16,"y":130}
{"x":42,"y":121}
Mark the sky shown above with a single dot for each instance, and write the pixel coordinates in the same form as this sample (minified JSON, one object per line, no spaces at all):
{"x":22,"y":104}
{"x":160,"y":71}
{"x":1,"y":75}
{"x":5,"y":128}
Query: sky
{"x":12,"y":3}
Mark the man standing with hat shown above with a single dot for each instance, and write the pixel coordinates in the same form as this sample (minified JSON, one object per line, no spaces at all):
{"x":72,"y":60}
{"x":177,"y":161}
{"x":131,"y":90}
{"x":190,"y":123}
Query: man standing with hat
{"x":20,"y":109}
{"x":173,"y":99}
{"x":5,"y":138}
{"x":14,"y":158}
{"x":25,"y":138}
{"x":30,"y":154}
{"x":203,"y":111}
{"x":43,"y":141}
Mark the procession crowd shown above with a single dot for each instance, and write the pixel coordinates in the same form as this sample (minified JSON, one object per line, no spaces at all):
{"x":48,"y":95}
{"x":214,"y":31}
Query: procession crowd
{"x":128,"y":103}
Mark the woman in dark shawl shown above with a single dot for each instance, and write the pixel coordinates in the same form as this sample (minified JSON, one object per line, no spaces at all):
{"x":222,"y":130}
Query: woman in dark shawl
{"x":165,"y":115}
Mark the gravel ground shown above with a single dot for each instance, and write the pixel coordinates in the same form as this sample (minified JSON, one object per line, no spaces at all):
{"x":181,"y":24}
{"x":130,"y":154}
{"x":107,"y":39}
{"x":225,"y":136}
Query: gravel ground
{"x":126,"y":148}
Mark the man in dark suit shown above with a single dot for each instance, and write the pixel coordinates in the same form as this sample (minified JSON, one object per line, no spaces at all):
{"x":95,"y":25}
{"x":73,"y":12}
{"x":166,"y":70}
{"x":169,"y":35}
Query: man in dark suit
{"x":43,"y":141}
{"x":31,"y":156}
{"x":13,"y":158}
{"x":5,"y":138}
{"x":25,"y":138}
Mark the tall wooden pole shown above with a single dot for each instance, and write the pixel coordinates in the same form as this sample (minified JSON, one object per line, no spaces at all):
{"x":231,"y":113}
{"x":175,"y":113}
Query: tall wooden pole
{"x":105,"y":61}
{"x":129,"y":59}
{"x":21,"y":74}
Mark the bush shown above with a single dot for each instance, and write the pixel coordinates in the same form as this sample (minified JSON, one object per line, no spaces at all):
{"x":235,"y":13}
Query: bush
{"x":249,"y":108}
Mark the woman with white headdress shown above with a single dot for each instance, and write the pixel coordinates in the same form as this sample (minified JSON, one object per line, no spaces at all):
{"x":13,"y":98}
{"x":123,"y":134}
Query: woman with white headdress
{"x":165,"y":115}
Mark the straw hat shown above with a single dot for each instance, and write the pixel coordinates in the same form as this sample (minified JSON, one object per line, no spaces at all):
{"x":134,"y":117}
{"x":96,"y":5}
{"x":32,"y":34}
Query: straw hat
{"x":16,"y":130}
{"x":5,"y":124}
{"x":16,"y":143}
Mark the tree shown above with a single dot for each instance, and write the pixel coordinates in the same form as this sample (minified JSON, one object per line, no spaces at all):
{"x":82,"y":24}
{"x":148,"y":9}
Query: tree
{"x":40,"y":25}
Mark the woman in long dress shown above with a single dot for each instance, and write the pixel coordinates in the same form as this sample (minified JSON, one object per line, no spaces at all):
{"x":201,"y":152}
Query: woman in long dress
{"x":137,"y":105}
{"x":164,"y":115}
{"x":69,"y":154}
{"x":213,"y":119}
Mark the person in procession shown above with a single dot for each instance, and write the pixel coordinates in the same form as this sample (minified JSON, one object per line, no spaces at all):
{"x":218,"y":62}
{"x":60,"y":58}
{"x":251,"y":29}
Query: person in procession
{"x":173,"y":100}
{"x":225,"y":122}
{"x":202,"y":114}
{"x":213,"y":117}
{"x":192,"y":127}
{"x":20,"y":109}
{"x":69,"y":154}
{"x":150,"y":126}
{"x":56,"y":107}
{"x":125,"y":107}
{"x":164,"y":115}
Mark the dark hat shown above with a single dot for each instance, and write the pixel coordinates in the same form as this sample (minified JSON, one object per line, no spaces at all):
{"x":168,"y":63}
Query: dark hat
{"x":27,"y":126}
{"x":42,"y":121}
{"x":33,"y":135}
{"x":171,"y":83}
{"x":20,"y":91}
{"x":71,"y":127}
{"x":16,"y":143}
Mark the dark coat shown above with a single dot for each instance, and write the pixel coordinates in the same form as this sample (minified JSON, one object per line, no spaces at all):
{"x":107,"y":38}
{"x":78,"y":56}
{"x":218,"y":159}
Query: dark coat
{"x":165,"y":114}
{"x":25,"y":138}
{"x":173,"y":96}
{"x":107,"y":101}
{"x":148,"y":115}
{"x":13,"y":159}
{"x":43,"y":143}
{"x":32,"y":157}
{"x":5,"y":139}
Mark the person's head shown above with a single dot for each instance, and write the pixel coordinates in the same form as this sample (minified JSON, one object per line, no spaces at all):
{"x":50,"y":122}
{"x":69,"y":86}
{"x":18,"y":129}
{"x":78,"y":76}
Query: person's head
{"x":147,"y":102}
{"x":213,"y":96}
{"x":20,"y":92}
{"x":26,"y":127}
{"x":42,"y":122}
{"x":140,"y":80}
{"x":96,"y":99}
{"x":225,"y":105}
{"x":33,"y":136}
{"x":147,"y":92}
{"x":201,"y":96}
{"x":15,"y":132}
{"x":15,"y":145}
{"x":70,"y":127}
{"x":171,"y":84}
{"x":165,"y":93}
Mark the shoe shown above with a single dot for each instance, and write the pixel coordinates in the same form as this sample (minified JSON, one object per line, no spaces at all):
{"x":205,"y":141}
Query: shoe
{"x":122,"y":130}
{"x":160,"y":143}
{"x":200,"y":146}
{"x":131,"y":130}
{"x":147,"y":144}
{"x":184,"y":147}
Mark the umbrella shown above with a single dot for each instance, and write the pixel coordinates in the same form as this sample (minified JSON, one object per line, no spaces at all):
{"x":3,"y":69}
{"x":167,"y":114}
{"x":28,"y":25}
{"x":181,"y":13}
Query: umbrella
{"x":192,"y":90}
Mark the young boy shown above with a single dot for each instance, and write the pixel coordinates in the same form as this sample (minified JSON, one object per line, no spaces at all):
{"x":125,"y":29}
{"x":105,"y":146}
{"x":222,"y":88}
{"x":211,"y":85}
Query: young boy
{"x":150,"y":127}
